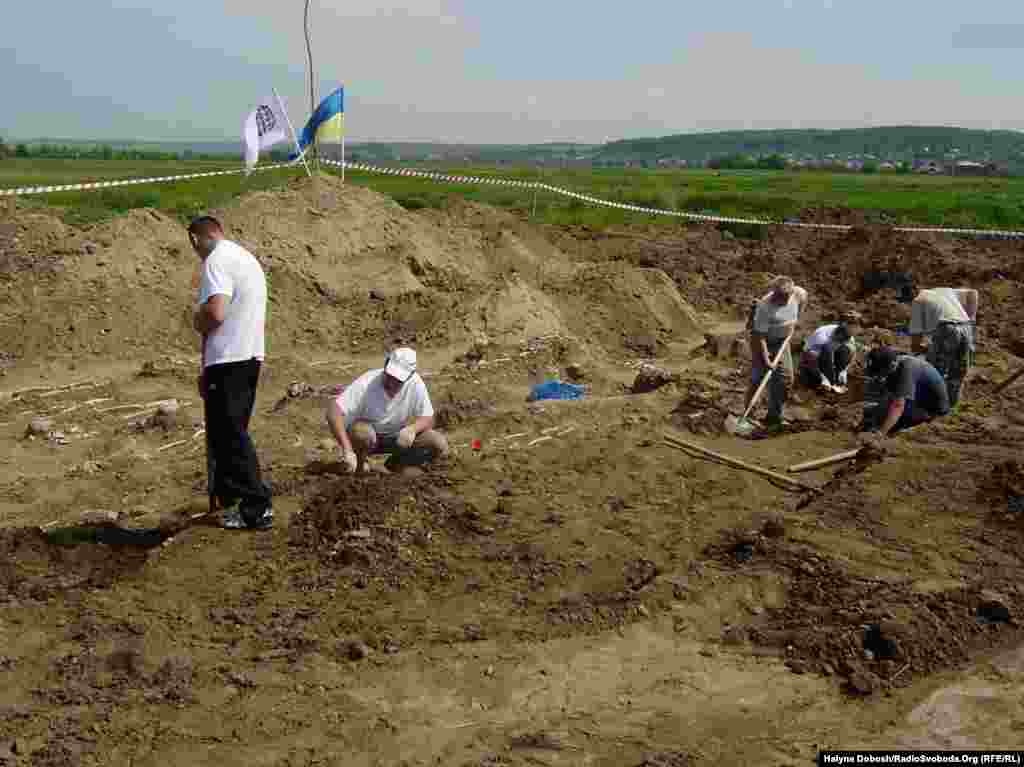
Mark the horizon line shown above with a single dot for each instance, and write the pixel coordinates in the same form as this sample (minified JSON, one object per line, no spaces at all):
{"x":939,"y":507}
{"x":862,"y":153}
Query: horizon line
{"x":356,"y":142}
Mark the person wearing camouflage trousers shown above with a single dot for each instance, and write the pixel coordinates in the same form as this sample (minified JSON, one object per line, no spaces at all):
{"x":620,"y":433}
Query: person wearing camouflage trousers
{"x":948,"y":316}
{"x":951,"y":352}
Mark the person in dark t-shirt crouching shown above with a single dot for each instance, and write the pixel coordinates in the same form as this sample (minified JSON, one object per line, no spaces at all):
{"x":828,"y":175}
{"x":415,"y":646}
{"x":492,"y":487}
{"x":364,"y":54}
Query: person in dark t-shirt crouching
{"x":912,"y":390}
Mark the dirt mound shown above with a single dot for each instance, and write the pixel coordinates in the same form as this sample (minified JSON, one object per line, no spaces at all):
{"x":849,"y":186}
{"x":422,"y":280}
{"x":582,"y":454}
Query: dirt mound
{"x":342,"y":261}
{"x":700,"y":409}
{"x":369,"y":521}
{"x":874,"y":632}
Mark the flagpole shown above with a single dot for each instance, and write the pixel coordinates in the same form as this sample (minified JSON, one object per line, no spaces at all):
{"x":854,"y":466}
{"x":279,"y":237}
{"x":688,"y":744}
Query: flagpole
{"x":302,"y":155}
{"x":344,"y":129}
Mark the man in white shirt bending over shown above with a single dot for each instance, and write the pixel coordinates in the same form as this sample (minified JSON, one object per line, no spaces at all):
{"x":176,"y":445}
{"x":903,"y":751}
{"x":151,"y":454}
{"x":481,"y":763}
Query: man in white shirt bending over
{"x":826,"y":357}
{"x":948,"y":316}
{"x":230,"y":318}
{"x":387,"y":410}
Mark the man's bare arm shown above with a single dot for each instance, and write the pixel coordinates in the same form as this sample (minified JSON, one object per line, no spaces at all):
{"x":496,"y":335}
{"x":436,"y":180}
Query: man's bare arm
{"x":968,"y":298}
{"x":896,"y":408}
{"x":336,"y":420}
{"x":210,"y":315}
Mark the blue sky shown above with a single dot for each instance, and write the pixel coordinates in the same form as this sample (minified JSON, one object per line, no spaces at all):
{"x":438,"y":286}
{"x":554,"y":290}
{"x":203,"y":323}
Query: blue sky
{"x":528,"y":71}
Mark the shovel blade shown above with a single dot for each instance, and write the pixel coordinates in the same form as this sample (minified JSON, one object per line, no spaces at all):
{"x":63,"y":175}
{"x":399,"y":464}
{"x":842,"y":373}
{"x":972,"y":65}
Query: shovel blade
{"x":740,"y":427}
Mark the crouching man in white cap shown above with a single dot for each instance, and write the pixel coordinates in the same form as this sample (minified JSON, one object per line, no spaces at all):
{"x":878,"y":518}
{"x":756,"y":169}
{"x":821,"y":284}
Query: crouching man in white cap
{"x":387,"y":411}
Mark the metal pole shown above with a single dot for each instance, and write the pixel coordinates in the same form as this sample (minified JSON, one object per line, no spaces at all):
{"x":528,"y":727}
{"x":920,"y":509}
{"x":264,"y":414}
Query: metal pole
{"x":295,"y":138}
{"x":309,"y":55}
{"x":533,"y":214}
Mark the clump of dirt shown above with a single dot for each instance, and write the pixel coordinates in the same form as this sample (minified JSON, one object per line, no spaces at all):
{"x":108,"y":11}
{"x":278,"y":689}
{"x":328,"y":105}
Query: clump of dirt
{"x":454,"y":412}
{"x":1004,"y":488}
{"x":366,"y":519}
{"x":700,"y":409}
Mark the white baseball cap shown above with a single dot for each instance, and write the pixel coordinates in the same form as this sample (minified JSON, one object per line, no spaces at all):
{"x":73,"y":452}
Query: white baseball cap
{"x":401,"y":364}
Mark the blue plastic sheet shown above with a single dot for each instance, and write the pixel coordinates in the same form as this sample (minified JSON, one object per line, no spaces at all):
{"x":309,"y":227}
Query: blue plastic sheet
{"x":555,"y":390}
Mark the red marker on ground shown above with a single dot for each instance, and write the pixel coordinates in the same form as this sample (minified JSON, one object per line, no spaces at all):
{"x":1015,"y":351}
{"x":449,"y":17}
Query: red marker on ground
{"x":476,"y":444}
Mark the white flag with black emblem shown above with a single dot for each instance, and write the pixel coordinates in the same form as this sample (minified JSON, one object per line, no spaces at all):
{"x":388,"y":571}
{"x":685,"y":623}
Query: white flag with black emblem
{"x":265,"y":126}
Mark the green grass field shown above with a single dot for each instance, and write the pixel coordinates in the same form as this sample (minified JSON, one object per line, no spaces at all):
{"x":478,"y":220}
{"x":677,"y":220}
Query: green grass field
{"x":990,"y":203}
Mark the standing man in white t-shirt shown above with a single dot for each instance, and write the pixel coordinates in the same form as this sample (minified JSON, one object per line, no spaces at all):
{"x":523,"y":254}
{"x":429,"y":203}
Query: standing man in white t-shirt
{"x":948,"y":316}
{"x":230,"y":318}
{"x":387,"y":410}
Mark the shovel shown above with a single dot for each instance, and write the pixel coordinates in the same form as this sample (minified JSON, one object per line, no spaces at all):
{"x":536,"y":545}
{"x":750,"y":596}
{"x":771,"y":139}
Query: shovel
{"x":742,"y":426}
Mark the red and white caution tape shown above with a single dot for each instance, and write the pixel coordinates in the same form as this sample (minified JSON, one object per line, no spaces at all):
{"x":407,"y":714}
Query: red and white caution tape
{"x":487,"y":180}
{"x":656,"y":211}
{"x":129,"y":181}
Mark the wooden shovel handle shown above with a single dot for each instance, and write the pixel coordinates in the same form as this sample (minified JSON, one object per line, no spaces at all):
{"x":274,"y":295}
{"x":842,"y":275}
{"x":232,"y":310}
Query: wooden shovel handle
{"x":1005,"y":384}
{"x":768,"y":374}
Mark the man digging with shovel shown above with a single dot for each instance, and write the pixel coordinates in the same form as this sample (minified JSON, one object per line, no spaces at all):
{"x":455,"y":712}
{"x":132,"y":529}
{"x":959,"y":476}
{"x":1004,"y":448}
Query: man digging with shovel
{"x":772,"y":322}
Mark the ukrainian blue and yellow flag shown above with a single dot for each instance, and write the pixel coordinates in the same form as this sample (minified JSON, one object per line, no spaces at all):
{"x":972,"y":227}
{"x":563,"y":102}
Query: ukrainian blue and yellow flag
{"x":327,"y":123}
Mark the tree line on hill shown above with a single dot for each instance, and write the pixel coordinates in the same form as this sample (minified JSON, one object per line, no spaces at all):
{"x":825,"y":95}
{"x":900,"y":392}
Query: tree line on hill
{"x":874,"y":146}
{"x":99,"y":152}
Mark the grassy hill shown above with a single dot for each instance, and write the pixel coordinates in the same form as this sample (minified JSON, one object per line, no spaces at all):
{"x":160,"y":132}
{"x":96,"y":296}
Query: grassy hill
{"x":894,"y":143}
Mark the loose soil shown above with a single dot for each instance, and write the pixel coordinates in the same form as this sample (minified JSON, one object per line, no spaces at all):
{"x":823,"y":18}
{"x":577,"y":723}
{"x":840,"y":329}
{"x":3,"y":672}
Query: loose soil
{"x":572,"y":591}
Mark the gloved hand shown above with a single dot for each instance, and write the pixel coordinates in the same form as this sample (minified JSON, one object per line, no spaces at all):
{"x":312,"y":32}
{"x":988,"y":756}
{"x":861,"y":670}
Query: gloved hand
{"x":406,"y":437}
{"x":351,"y":461}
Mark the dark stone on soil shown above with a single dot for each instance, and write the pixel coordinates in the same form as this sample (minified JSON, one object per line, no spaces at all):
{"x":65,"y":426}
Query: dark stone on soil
{"x":743,"y":552}
{"x":576,"y":372}
{"x":993,"y":610}
{"x":504,"y":487}
{"x":651,"y":378}
{"x":879,"y":645}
